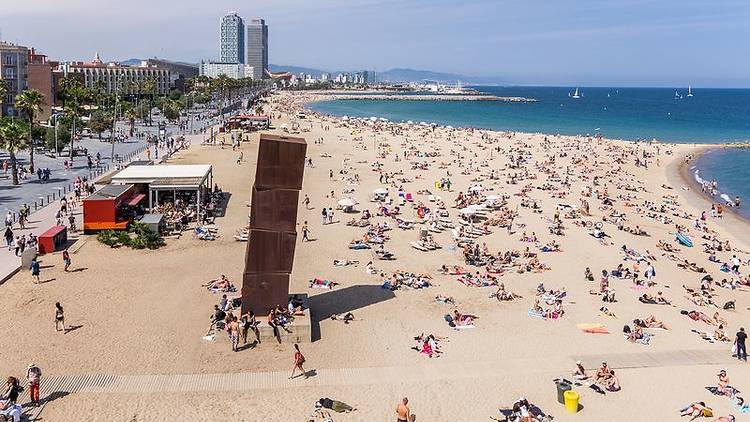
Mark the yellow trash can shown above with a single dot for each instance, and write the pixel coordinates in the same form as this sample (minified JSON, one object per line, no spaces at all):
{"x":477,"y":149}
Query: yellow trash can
{"x":571,"y":401}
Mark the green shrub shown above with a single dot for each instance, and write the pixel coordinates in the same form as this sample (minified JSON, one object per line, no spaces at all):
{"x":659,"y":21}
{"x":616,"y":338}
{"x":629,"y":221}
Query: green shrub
{"x":138,"y":236}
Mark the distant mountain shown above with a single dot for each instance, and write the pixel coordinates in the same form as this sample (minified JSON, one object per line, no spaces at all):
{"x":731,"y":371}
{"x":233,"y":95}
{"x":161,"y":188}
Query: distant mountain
{"x":131,"y":62}
{"x":412,"y":75}
{"x":296,"y":69}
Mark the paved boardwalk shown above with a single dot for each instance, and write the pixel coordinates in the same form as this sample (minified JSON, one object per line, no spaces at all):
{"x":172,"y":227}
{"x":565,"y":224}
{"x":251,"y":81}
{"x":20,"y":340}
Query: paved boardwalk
{"x":238,"y":382}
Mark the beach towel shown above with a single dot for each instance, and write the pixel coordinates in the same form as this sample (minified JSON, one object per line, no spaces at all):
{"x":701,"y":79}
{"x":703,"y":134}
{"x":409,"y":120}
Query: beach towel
{"x":592,"y":328}
{"x":532,"y":313}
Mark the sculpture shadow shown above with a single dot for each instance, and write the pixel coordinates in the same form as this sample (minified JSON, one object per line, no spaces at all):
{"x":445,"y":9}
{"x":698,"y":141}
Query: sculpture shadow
{"x":340,"y":301}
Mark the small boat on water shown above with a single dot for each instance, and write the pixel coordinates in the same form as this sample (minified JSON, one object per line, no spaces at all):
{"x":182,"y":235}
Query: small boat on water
{"x":677,"y":95}
{"x":575,"y":95}
{"x":690,"y":91}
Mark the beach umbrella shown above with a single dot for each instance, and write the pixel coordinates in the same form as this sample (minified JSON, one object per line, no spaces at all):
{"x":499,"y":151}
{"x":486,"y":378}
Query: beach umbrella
{"x":347,"y":202}
{"x":449,"y":127}
{"x":383,"y":119}
{"x":345,"y":118}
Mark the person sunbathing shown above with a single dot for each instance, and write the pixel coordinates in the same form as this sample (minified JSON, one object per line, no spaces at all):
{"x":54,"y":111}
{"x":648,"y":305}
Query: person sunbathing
{"x":720,"y":335}
{"x":652,"y":322}
{"x":579,"y":372}
{"x":718,"y":319}
{"x":221,"y":284}
{"x":347,"y":317}
{"x":697,"y":410}
{"x":462,"y":320}
{"x":344,"y":262}
{"x":602,"y":373}
{"x":698,"y":316}
{"x":612,"y":383}
{"x":503,"y":295}
{"x":448,"y":300}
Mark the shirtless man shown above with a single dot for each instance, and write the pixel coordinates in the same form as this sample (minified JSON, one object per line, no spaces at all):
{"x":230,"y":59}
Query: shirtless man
{"x":403,"y":413}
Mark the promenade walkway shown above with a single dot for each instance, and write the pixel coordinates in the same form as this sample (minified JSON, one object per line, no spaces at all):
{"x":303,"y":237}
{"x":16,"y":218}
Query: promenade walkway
{"x":58,"y":386}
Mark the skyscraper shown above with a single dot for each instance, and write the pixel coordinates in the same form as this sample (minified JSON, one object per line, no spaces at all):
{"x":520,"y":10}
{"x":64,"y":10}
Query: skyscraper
{"x":232,"y":39}
{"x":257,"y":47}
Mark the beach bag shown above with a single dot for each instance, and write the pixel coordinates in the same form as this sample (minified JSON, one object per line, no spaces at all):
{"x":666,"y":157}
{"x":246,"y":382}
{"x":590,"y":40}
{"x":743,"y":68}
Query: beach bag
{"x":734,"y":349}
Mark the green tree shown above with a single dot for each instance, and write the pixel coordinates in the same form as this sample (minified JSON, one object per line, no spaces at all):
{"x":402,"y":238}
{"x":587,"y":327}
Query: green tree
{"x":99,"y":122}
{"x":3,"y":93}
{"x":30,"y":102}
{"x":13,"y":135}
{"x":63,"y":136}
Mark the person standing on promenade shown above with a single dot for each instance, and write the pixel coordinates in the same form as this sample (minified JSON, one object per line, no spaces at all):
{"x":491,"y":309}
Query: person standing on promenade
{"x":35,"y":270}
{"x":299,"y":361}
{"x":34,"y":376}
{"x":9,"y":237}
{"x":739,"y":342}
{"x":403,"y":413}
{"x":59,"y":318}
{"x":66,"y":259}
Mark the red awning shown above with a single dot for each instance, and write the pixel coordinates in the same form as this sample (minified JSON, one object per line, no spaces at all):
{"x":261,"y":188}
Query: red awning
{"x":136,"y":199}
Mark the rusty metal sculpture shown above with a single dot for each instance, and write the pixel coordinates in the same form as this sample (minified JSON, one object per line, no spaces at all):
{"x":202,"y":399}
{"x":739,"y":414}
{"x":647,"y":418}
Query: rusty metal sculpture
{"x":273,"y":220}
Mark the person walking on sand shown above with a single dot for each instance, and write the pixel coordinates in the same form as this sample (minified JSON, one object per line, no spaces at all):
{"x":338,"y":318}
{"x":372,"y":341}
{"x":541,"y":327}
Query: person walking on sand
{"x":299,"y":361}
{"x":307,"y":202}
{"x":305,"y":233}
{"x":59,"y":318}
{"x":34,"y":376}
{"x":403,"y":413}
{"x":35,"y":269}
{"x":66,"y":259}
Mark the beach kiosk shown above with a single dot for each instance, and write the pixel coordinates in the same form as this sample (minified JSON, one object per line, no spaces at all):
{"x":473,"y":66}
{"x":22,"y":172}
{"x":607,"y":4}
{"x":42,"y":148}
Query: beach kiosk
{"x":166,"y":182}
{"x":110,"y":208}
{"x":52,"y":240}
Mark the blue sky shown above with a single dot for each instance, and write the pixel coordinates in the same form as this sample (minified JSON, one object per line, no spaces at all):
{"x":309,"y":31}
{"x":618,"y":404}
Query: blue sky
{"x":552,"y":42}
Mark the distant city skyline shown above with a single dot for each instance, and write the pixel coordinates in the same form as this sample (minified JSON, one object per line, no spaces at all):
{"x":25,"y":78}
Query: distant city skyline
{"x":567,"y":42}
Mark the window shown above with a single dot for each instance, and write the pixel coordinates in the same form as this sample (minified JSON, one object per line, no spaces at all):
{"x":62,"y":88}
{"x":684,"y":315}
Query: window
{"x":10,"y":72}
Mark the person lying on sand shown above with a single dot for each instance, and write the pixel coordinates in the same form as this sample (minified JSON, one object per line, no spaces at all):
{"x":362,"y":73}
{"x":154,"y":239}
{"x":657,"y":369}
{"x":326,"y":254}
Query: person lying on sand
{"x":698,"y":316}
{"x":697,"y":410}
{"x":448,"y":300}
{"x":650,"y":322}
{"x":343,"y":317}
{"x":344,"y":262}
{"x":221,"y":284}
{"x":463,"y":320}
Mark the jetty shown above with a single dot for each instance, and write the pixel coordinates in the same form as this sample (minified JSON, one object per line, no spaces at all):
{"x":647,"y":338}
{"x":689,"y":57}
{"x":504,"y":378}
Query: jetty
{"x":431,"y":97}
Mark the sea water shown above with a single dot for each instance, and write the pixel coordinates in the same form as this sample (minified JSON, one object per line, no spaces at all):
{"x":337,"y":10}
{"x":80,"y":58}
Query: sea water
{"x":666,"y":114}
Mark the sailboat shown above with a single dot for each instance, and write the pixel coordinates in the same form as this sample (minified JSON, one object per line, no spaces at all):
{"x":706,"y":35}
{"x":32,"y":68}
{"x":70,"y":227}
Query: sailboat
{"x":690,"y":91}
{"x":575,"y":94}
{"x":677,"y":95}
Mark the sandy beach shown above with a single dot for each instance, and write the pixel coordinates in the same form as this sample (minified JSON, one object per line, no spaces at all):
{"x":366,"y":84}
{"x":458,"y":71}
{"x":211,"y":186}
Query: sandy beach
{"x":142,"y":314}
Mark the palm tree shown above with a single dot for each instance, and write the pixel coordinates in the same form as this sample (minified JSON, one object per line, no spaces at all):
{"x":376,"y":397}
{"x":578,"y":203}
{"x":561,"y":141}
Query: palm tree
{"x":13,"y":137}
{"x":74,"y":111}
{"x":149,"y":87}
{"x":131,"y":114}
{"x":30,"y":102}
